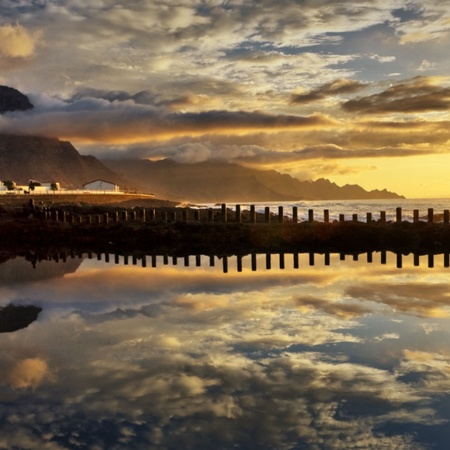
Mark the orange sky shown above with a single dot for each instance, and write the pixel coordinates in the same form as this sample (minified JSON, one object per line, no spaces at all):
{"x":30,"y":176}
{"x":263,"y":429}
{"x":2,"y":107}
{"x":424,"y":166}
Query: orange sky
{"x":357,"y":92}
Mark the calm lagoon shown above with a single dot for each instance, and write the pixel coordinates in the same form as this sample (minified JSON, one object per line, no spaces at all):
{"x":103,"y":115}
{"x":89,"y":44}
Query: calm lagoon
{"x":183,"y":354}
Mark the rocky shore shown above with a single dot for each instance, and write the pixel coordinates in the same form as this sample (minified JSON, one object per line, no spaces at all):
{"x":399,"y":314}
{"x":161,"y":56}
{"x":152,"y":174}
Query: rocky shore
{"x":22,"y":231}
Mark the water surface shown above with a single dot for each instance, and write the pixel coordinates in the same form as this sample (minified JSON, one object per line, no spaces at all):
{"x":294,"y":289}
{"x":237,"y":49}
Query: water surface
{"x":339,"y":354}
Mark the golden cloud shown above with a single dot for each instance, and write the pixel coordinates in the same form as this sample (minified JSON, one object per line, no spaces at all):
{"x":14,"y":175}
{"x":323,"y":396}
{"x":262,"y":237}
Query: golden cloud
{"x":17,"y":42}
{"x":29,"y":372}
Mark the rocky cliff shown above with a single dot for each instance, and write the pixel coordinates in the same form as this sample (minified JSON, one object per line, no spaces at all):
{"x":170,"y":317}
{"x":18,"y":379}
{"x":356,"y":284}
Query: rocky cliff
{"x":24,"y":158}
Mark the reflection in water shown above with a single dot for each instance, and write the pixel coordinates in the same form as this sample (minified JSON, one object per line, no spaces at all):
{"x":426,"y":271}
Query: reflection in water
{"x":284,"y":351}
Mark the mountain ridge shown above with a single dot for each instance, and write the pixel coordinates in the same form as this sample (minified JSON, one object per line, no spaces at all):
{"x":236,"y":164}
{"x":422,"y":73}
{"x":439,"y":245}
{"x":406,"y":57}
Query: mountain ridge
{"x":216,"y":182}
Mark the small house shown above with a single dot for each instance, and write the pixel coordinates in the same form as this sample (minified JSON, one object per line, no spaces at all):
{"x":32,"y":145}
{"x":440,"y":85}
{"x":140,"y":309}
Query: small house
{"x":101,"y":185}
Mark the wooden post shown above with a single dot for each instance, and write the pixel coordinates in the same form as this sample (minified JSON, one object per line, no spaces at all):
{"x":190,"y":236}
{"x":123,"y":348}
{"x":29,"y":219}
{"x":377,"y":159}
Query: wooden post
{"x":282,"y":261}
{"x":197,"y":215}
{"x":416,"y":260}
{"x":164,"y":216}
{"x":144,"y":261}
{"x":238,"y":214}
{"x":224,"y":212}
{"x":446,"y":215}
{"x":398,"y":214}
{"x":116,"y":259}
{"x":280,"y":214}
{"x":416,"y":216}
{"x":125,"y":216}
{"x":326,"y":215}
{"x":296,"y":265}
{"x":166,"y":259}
{"x":254,"y":262}
{"x":310,"y":215}
{"x":355,"y":217}
{"x":327,"y":259}
{"x":106,"y":218}
{"x":383,"y":217}
{"x":143,"y":218}
{"x":311,"y":259}
{"x":341,"y":218}
{"x":133,"y":216}
{"x":212,"y":262}
{"x":383,"y":257}
{"x":369,"y":218}
{"x":399,"y":261}
{"x":153,"y":214}
{"x":89,"y":219}
{"x":295,"y":214}
{"x":186,"y":261}
{"x":116,"y":216}
{"x":267,"y":214}
{"x":174,"y":261}
{"x":430,"y":215}
{"x":185,"y":215}
{"x":239,"y":263}
{"x":268,"y":261}
{"x":210,"y":215}
{"x":125,"y":260}
{"x":198,"y":261}
{"x":252,"y":214}
{"x":430,"y":261}
{"x":369,"y":257}
{"x":446,"y":260}
{"x":64,"y":216}
{"x":153,"y":260}
{"x":225,"y":264}
{"x":106,"y":257}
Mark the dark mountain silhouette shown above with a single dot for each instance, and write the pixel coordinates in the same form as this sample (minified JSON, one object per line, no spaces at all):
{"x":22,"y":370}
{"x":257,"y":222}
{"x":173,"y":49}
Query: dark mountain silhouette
{"x":223,"y":182}
{"x":13,"y":100}
{"x":24,"y":158}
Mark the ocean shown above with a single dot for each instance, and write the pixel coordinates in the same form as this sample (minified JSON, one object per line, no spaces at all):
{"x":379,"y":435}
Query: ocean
{"x":350,"y":207}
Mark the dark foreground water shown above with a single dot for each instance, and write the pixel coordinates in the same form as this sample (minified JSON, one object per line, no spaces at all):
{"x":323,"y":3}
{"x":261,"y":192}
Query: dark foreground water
{"x":339,"y":354}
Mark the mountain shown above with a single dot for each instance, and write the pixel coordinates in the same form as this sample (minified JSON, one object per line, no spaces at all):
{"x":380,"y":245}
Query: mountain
{"x":24,"y":158}
{"x":13,"y":100}
{"x":222,"y":182}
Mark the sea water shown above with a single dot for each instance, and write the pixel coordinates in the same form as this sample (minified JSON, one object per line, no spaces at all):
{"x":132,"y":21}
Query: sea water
{"x":350,"y":207}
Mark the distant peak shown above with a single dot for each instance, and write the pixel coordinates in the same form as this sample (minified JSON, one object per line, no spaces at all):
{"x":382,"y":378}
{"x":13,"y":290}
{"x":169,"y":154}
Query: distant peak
{"x":13,"y":100}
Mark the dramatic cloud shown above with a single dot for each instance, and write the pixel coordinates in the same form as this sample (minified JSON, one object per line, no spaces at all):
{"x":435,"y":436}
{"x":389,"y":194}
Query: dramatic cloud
{"x":334,"y":88}
{"x":417,"y":95}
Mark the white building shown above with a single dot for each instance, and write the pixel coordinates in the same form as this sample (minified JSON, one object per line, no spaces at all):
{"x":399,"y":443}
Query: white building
{"x":101,"y":185}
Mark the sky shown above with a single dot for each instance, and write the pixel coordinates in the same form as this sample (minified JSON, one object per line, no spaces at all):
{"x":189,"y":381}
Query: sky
{"x":354,"y":91}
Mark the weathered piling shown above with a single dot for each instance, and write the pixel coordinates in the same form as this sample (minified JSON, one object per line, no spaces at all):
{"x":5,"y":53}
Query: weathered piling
{"x":446,"y":216}
{"x":398,"y":214}
{"x":326,"y":216}
{"x":382,"y":217}
{"x":430,"y":215}
{"x":252,"y":214}
{"x":416,"y":216}
{"x":369,"y":217}
{"x":224,"y":212}
{"x":238,"y":214}
{"x":267,"y":214}
{"x":280,"y":214}
{"x":355,"y":217}
{"x":295,"y":214}
{"x":341,"y":217}
{"x":310,"y":215}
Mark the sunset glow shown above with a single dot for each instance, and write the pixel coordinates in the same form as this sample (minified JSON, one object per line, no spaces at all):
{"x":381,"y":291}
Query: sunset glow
{"x":354,"y":91}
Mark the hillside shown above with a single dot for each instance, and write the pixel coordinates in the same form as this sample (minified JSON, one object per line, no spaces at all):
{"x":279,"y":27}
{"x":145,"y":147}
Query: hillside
{"x":222,"y":182}
{"x":24,"y":158}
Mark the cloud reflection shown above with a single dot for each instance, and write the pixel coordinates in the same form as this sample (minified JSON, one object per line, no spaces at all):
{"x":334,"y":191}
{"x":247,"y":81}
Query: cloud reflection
{"x":176,"y":357}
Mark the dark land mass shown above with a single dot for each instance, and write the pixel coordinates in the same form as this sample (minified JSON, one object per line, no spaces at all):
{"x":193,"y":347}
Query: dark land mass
{"x":13,"y":100}
{"x":213,"y":182}
{"x":13,"y":318}
{"x":20,"y":233}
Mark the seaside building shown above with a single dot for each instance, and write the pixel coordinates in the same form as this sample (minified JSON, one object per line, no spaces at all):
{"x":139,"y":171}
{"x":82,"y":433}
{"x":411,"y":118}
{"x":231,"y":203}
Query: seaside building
{"x":101,"y":185}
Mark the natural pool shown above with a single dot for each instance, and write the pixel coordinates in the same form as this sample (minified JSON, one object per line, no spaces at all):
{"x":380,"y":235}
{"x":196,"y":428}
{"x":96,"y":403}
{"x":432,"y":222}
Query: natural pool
{"x":279,"y":352}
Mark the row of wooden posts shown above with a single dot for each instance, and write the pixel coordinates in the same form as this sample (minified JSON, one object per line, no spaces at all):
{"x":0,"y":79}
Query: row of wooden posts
{"x":239,"y":259}
{"x":222,"y":215}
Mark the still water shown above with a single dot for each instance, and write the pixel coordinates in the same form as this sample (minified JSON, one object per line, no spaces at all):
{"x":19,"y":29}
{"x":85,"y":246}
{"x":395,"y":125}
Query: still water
{"x":180,"y":355}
